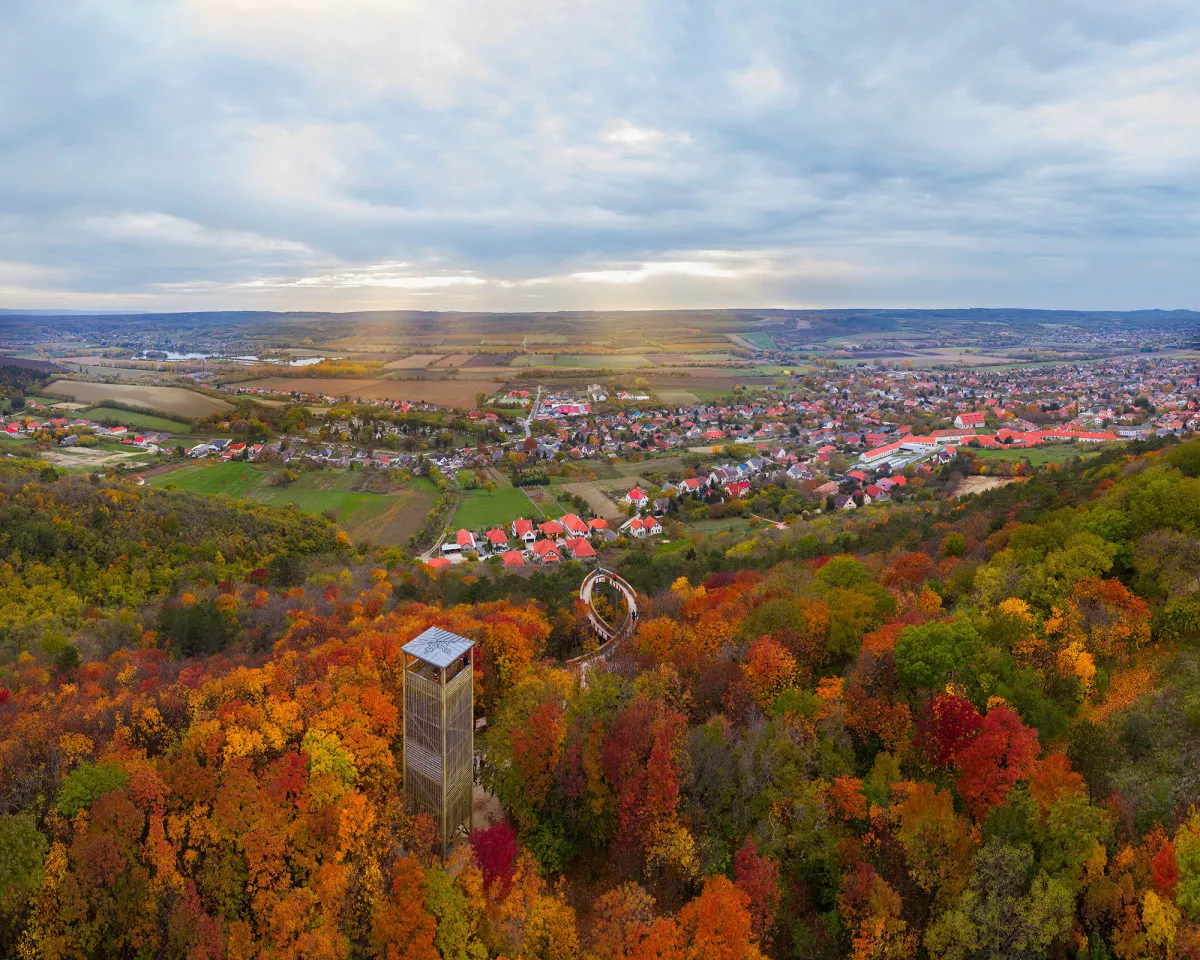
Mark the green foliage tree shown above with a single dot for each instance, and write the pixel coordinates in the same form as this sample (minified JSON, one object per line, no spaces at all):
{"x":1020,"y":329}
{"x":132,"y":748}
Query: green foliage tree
{"x":930,"y":654}
{"x":87,"y":783}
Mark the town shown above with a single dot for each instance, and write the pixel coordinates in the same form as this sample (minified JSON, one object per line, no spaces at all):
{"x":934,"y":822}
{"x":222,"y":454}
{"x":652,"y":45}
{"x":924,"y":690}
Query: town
{"x":538,"y":473}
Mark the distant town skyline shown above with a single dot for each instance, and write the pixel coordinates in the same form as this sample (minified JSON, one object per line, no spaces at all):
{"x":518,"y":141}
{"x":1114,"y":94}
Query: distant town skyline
{"x":630,"y":154}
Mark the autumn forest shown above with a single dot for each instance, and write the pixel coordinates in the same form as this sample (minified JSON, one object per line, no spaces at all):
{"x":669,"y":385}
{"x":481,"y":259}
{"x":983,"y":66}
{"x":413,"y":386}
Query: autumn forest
{"x":944,"y":729}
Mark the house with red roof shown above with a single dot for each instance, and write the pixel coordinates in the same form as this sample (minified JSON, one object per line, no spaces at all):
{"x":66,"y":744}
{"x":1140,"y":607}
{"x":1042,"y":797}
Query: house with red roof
{"x":497,"y":540}
{"x":551,"y":528}
{"x":546,"y":552}
{"x":512,"y":559}
{"x":574,"y":525}
{"x":523,"y":530}
{"x":466,"y":540}
{"x":637,"y":497}
{"x":597,"y":525}
{"x":970,"y":419}
{"x":580,"y":549}
{"x":642,"y":527}
{"x":437,"y":563}
{"x":738,"y":489}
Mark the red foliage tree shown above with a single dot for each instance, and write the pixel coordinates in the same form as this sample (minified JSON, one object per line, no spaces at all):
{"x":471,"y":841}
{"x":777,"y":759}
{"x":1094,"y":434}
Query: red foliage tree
{"x":947,"y":725}
{"x":496,"y":853}
{"x":1164,"y":870}
{"x":757,"y":876}
{"x":1003,"y":753}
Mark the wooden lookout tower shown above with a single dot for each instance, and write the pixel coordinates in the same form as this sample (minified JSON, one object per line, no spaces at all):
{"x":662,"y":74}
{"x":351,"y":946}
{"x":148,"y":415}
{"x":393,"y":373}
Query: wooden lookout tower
{"x":439,"y":728}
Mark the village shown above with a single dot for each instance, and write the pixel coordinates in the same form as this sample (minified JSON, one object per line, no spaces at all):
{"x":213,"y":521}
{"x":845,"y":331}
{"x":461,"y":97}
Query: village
{"x":618,"y":466}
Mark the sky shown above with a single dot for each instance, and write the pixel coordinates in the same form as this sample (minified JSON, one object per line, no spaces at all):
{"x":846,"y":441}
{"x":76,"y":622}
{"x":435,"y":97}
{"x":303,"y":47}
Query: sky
{"x":617,"y":154}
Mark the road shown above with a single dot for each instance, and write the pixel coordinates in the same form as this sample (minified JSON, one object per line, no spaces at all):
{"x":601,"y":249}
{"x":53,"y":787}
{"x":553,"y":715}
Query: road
{"x":532,"y":413}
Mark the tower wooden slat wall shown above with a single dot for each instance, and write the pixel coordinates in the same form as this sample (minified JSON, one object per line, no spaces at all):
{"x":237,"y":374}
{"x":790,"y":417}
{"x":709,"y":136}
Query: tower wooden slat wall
{"x":439,"y":728}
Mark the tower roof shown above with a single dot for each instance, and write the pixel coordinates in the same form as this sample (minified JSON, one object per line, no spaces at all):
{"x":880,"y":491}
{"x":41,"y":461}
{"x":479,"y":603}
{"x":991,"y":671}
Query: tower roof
{"x":438,"y":647}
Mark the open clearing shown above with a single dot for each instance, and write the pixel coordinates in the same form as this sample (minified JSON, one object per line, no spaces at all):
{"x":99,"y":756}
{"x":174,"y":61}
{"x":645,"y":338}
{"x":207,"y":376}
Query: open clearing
{"x":676,"y":396}
{"x":176,"y":400}
{"x":366,"y":506}
{"x":1038,"y":456}
{"x":143,"y":420}
{"x":969,"y":485}
{"x":593,"y":491}
{"x":449,"y":393}
{"x":481,"y":510}
{"x":86,"y":458}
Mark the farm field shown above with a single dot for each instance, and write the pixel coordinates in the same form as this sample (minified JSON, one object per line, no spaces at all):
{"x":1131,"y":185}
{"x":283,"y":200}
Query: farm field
{"x":1038,"y":456}
{"x":144,"y":420}
{"x":366,"y":506}
{"x":99,"y":369}
{"x":676,"y":396}
{"x":451,"y":393}
{"x":184,"y":403}
{"x":672,"y":359}
{"x":762,"y":340}
{"x":418,"y":361}
{"x":581,"y":361}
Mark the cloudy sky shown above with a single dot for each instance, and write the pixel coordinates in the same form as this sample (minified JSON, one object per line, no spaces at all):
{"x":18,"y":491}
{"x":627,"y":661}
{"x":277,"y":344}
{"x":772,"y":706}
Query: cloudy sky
{"x":513,"y":154}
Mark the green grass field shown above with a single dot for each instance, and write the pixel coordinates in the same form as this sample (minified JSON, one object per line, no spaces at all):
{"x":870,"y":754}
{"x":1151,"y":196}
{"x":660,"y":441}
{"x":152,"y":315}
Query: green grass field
{"x":144,"y":420}
{"x":762,"y":340}
{"x":1040,"y":456}
{"x":479,"y":510}
{"x":382,"y":518}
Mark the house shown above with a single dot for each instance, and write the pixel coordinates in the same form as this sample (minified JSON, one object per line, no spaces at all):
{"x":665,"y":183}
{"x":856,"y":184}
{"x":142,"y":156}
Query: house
{"x":574,"y":525}
{"x":523,"y":530}
{"x":546,"y":552}
{"x":580,"y":549}
{"x":639,"y":527}
{"x":637,"y":497}
{"x":551,"y":529}
{"x":497,"y":540}
{"x":597,"y":525}
{"x":738,"y":489}
{"x":466,"y":541}
{"x":844,"y":503}
{"x":970,"y":420}
{"x":437,"y":564}
{"x":512,"y":559}
{"x":692,"y":485}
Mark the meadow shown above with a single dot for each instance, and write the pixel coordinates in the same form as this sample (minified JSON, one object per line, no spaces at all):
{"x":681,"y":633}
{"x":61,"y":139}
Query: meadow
{"x":144,"y":420}
{"x":1039,"y":456}
{"x":481,"y":510}
{"x":366,"y":506}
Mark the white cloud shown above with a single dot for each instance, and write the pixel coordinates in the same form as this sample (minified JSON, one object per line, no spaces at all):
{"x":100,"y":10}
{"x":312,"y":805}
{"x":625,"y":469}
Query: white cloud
{"x":388,"y":275}
{"x":760,"y":82}
{"x":164,"y":228}
{"x":629,"y":134}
